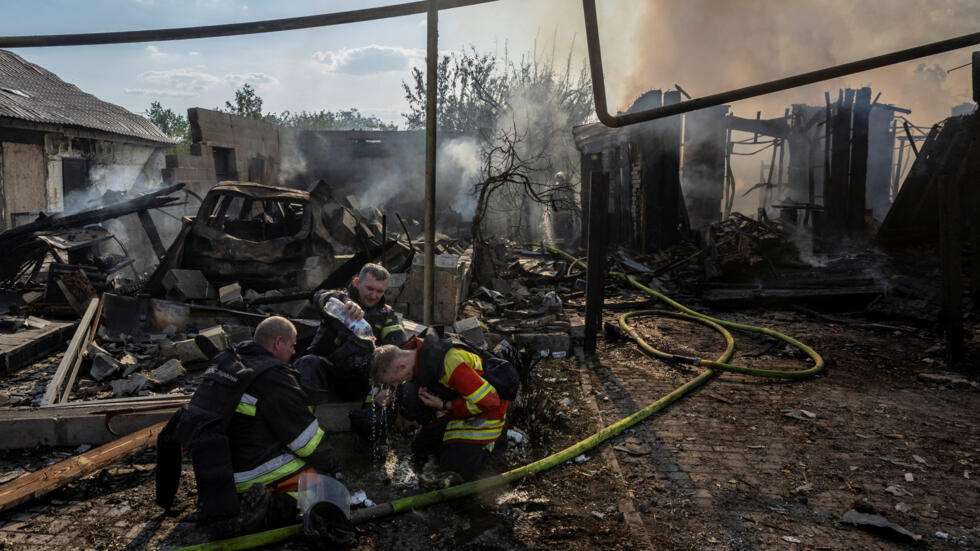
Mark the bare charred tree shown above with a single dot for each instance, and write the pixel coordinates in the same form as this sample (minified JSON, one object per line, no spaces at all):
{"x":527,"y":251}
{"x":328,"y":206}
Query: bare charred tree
{"x":522,"y":114}
{"x":512,"y":175}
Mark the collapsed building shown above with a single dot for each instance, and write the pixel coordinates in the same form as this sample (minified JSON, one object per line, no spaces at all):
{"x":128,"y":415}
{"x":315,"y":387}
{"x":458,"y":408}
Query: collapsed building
{"x":272,"y":214}
{"x":830,"y":167}
{"x":76,"y":145}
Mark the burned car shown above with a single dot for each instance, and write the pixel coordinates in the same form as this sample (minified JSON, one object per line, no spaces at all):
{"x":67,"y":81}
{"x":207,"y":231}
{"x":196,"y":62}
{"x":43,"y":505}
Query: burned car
{"x":264,"y":237}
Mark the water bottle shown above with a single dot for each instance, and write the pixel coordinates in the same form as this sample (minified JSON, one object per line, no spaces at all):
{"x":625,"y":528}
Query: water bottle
{"x":335,"y":308}
{"x":361,"y":327}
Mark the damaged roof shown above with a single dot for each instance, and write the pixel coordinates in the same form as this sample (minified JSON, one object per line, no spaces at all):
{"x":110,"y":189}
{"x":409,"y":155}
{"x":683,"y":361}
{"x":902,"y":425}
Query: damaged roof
{"x":29,"y":92}
{"x":261,"y":191}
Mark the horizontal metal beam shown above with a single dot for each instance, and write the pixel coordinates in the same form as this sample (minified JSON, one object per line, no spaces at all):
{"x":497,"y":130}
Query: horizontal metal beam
{"x":626,"y":119}
{"x":233,"y":29}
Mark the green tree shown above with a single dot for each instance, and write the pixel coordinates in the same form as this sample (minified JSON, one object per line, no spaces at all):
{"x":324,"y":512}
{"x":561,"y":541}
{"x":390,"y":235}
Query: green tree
{"x":247,"y":103}
{"x":344,"y":119}
{"x":170,"y":123}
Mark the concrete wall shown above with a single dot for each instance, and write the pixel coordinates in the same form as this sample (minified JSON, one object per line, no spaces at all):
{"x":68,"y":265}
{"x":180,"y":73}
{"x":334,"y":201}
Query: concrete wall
{"x":254,"y":144}
{"x":113,"y":166}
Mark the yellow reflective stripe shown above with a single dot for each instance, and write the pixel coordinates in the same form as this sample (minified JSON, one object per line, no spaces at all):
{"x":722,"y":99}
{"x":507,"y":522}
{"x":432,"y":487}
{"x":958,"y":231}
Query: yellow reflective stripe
{"x":472,"y":408}
{"x":304,"y":437}
{"x":245,"y":409}
{"x":456,"y":356}
{"x":474,"y":423}
{"x":311,"y":445}
{"x":390,"y":329}
{"x":473,"y":429}
{"x":272,"y":476}
{"x":479,"y":393}
{"x":472,"y":435}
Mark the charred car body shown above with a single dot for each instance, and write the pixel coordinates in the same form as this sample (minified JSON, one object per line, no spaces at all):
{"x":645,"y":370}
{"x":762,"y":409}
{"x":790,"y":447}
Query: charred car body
{"x":266,"y":237}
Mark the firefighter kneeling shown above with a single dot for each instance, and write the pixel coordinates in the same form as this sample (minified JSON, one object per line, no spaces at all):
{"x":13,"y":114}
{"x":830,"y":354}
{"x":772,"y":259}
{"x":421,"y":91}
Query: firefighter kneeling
{"x":469,"y":392}
{"x":249,"y":429}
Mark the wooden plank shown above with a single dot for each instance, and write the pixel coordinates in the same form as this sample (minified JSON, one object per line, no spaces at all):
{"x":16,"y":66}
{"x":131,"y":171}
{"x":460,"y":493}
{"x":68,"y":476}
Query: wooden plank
{"x":25,"y":347}
{"x":48,"y":479}
{"x":51,"y":394}
{"x":98,"y":422}
{"x":89,"y":337}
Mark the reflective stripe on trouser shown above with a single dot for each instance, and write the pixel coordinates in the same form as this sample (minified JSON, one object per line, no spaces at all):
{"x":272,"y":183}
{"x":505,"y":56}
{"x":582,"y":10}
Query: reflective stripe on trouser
{"x":307,"y":441}
{"x":473,"y":429}
{"x":272,"y":470}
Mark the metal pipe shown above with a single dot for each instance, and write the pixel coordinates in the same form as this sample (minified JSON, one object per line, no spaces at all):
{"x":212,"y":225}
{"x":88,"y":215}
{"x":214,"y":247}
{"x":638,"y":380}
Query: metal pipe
{"x":431,"y":83}
{"x":233,"y":29}
{"x":626,"y":119}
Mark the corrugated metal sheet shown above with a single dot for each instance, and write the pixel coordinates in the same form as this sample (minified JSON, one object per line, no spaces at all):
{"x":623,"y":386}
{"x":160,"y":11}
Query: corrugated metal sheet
{"x":31,"y":93}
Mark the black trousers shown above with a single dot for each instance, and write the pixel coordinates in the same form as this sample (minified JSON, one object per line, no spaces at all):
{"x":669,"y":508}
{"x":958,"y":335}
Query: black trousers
{"x":466,"y":460}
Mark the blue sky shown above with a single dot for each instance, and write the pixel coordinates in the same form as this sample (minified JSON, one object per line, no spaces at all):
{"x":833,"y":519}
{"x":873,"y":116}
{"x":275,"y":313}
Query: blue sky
{"x":705,"y":45}
{"x":359,"y":65}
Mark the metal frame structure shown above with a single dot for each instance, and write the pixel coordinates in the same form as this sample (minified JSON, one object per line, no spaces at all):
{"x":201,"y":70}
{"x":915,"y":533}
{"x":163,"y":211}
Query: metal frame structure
{"x":802,"y":79}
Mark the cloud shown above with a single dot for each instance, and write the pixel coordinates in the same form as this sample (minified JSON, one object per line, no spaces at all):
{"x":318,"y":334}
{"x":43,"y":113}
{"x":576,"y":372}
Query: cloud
{"x":181,"y":80}
{"x":367,"y":60}
{"x":155,"y":52}
{"x":252,"y":78}
{"x":159,"y":93}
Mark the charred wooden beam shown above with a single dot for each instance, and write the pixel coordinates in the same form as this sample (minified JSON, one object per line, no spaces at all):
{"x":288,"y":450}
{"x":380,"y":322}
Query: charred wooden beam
{"x":151,"y":232}
{"x":835,"y":191}
{"x":596,"y":275}
{"x":949,"y":185}
{"x":858,"y":177}
{"x":776,"y":128}
{"x":48,"y":479}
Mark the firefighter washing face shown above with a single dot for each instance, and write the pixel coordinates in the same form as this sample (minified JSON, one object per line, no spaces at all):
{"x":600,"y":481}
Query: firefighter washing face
{"x":451,"y":379}
{"x":337,"y":360}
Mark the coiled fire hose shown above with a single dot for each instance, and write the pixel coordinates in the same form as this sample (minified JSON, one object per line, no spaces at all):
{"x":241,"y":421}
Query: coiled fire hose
{"x":418,"y":501}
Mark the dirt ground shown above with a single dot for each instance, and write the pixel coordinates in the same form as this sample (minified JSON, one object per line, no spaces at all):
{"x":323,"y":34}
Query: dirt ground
{"x":740,"y":464}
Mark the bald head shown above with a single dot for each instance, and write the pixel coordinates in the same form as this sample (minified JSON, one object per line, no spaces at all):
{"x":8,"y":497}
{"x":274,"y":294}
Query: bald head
{"x":277,"y":335}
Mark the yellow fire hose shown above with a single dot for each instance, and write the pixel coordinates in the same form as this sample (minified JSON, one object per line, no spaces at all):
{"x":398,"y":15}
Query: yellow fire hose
{"x":409,"y":503}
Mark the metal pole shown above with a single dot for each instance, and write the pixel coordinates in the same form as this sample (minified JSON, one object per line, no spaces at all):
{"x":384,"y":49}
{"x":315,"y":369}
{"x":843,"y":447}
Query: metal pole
{"x":233,"y":29}
{"x":626,"y":119}
{"x":431,"y":83}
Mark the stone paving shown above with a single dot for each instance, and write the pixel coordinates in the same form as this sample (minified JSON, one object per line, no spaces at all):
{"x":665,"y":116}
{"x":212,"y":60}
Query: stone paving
{"x":741,"y":464}
{"x":727,"y":468}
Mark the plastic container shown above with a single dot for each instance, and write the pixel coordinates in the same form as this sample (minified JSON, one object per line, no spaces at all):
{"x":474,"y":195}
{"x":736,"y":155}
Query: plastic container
{"x":315,"y":488}
{"x":325,"y":504}
{"x":361,"y":327}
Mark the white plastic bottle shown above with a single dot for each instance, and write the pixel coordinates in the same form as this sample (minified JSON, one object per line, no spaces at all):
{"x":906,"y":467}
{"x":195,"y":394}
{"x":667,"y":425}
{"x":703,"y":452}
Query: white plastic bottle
{"x":361,"y":327}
